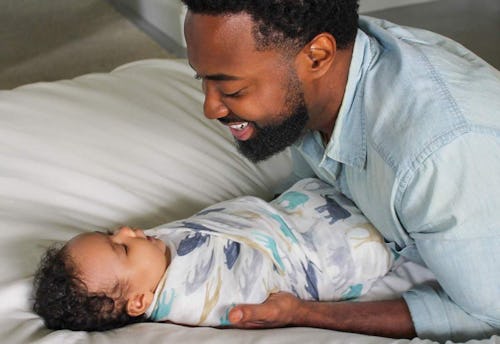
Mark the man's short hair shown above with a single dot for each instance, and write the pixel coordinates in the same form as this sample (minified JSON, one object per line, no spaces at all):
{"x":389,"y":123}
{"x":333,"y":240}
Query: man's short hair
{"x":289,"y":23}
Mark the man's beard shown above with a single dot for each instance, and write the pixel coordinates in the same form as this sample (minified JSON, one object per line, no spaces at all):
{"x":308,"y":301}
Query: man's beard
{"x":272,"y":139}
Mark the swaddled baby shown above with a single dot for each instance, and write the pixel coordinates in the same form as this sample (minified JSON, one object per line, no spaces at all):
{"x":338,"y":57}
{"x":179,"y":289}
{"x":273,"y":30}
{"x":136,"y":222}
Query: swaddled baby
{"x":311,"y":241}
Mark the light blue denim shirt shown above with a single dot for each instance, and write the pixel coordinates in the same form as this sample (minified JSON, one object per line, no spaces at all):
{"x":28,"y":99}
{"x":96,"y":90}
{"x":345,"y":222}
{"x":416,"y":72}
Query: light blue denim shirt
{"x":416,"y":146}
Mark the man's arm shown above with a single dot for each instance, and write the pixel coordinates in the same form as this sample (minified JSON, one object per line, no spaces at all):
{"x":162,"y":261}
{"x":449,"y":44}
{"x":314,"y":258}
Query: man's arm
{"x":389,"y":318}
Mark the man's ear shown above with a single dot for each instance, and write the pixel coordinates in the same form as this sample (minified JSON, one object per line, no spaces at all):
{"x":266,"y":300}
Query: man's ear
{"x":138,"y":303}
{"x":316,"y":58}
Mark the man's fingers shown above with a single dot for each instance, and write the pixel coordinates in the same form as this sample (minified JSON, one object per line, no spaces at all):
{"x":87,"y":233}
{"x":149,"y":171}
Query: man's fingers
{"x":274,"y":312}
{"x":235,"y":315}
{"x":247,"y":315}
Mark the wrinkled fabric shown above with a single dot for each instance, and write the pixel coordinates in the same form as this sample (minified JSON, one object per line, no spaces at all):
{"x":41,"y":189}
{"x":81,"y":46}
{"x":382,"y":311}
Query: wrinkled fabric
{"x":416,"y":146}
{"x":310,"y":241}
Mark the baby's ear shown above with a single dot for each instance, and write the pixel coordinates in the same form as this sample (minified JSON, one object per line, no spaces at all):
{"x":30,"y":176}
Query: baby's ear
{"x":139,"y":303}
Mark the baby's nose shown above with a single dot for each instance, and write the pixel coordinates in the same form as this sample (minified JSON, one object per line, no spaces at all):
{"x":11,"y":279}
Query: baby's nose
{"x":139,"y":233}
{"x":124,"y":231}
{"x":130,"y":232}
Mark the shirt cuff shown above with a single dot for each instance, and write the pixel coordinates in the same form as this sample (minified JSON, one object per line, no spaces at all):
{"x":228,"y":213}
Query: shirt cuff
{"x":436,"y":317}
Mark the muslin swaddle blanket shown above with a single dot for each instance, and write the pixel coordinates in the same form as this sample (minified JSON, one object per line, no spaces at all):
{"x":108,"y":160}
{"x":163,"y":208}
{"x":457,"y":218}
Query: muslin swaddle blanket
{"x":310,"y":241}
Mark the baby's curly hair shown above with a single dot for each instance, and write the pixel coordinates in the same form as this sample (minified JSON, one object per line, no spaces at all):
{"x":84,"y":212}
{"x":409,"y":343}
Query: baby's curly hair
{"x":62,"y":299}
{"x":289,"y":23}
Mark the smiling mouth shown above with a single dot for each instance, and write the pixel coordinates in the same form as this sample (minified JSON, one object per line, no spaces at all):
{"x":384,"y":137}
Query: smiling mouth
{"x":241,"y":131}
{"x":239,"y":126}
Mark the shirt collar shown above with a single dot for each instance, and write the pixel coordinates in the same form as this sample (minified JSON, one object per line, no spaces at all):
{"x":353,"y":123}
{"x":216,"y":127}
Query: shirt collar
{"x":348,"y":142}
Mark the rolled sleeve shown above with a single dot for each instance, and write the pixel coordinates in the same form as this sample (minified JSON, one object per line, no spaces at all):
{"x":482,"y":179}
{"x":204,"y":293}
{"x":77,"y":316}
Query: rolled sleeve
{"x":438,"y":318}
{"x":451,"y":213}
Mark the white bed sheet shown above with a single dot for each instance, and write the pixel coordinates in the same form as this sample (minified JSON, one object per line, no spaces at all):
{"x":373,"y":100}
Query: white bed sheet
{"x":127,"y":147}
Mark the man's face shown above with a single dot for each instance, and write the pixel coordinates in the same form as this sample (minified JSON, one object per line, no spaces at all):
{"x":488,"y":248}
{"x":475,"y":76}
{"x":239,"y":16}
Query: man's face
{"x":257,"y":94}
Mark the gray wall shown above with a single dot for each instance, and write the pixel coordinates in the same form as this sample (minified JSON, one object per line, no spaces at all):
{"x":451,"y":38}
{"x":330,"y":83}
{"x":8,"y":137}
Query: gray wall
{"x":163,"y":19}
{"x":474,"y":23}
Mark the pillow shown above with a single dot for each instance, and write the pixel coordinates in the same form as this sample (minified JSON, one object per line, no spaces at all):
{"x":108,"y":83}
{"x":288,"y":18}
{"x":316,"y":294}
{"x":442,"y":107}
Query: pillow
{"x":102,"y":150}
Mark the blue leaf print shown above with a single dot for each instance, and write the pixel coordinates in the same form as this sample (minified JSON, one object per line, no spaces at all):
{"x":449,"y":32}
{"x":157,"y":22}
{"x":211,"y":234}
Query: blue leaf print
{"x":293,"y":199}
{"x":196,"y":226}
{"x":224,"y":319}
{"x":250,"y":272}
{"x":312,"y":281}
{"x":232,"y":251}
{"x":270,"y":244}
{"x":198,"y":275}
{"x":284,"y":228}
{"x":208,"y":211}
{"x":334,"y":210}
{"x":163,"y":308}
{"x":353,"y":292}
{"x":191,"y":242}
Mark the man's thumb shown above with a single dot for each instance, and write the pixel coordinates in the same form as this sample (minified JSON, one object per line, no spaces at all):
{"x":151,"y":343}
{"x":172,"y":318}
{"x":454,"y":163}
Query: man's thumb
{"x":235,"y":315}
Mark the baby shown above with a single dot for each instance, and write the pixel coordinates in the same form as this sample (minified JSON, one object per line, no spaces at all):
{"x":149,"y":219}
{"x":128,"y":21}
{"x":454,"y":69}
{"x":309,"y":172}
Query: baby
{"x":311,"y":241}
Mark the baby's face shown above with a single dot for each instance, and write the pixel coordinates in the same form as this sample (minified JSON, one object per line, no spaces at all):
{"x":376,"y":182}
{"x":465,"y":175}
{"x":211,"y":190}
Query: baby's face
{"x":127,"y":256}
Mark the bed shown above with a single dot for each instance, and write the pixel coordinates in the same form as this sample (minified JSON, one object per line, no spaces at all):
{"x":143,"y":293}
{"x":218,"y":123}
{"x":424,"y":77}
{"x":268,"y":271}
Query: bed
{"x":127,"y":147}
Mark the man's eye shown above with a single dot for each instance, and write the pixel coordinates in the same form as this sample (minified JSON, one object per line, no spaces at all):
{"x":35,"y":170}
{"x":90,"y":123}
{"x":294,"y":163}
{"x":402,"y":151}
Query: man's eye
{"x":125,"y":249}
{"x":232,"y":95}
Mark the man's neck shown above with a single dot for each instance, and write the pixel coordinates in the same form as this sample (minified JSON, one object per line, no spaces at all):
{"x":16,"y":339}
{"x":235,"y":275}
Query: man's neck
{"x":330,"y":93}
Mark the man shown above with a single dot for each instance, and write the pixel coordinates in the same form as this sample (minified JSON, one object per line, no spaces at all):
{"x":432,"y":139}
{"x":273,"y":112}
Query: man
{"x":404,"y":122}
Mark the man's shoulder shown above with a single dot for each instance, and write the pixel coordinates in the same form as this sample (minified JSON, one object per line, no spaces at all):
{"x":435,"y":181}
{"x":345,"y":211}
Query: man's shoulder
{"x":404,"y":135}
{"x":422,"y":93}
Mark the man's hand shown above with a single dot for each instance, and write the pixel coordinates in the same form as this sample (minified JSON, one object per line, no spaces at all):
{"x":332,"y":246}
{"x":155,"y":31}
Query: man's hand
{"x":389,"y":318}
{"x":279,"y":310}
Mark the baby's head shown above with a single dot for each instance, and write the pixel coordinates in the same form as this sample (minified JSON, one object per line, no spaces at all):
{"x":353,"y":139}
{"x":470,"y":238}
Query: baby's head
{"x":99,"y":281}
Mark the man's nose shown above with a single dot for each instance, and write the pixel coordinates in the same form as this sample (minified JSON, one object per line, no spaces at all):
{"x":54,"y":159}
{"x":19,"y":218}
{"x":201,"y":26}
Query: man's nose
{"x":213,"y":107}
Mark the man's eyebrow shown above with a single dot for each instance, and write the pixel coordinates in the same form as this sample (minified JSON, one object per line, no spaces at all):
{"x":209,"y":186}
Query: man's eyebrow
{"x":218,"y":77}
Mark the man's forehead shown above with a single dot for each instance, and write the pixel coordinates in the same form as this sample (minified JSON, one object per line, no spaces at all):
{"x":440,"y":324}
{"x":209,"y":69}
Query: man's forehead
{"x":216,"y":43}
{"x":231,"y":21}
{"x":219,"y":30}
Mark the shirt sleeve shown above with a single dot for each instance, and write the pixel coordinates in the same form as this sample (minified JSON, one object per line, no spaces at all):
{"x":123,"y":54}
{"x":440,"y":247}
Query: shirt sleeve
{"x":451,"y":210}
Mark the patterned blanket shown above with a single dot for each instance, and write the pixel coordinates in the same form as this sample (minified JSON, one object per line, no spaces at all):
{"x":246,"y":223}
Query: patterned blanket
{"x":311,"y":241}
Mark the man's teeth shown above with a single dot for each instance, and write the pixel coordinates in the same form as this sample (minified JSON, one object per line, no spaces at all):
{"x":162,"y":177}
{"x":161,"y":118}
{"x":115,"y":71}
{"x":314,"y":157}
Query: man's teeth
{"x":239,"y":126}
